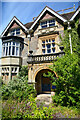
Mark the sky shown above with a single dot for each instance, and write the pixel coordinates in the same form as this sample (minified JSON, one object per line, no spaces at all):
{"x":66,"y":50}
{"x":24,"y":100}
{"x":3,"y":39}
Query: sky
{"x":25,"y":11}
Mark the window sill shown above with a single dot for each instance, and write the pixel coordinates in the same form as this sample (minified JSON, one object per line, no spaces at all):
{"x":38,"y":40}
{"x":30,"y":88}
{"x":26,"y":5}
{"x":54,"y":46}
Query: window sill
{"x":11,"y":57}
{"x":48,"y":27}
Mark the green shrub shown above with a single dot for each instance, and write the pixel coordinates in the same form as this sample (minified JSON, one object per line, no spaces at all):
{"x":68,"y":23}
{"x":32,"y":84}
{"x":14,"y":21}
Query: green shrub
{"x":23,"y":71}
{"x":67,"y":83}
{"x":18,"y":88}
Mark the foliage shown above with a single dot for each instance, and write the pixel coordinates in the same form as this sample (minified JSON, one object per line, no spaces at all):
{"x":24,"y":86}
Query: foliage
{"x":23,"y":71}
{"x":68,"y":71}
{"x":75,"y":40}
{"x":67,"y":83}
{"x":18,"y":88}
{"x":29,"y":109}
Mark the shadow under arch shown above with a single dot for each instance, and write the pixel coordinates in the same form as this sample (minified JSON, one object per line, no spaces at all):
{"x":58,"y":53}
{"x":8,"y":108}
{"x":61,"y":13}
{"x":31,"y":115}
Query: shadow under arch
{"x":43,"y":84}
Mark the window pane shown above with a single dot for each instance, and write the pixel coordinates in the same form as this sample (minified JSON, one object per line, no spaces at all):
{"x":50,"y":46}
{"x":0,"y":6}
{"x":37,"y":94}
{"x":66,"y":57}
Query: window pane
{"x":3,"y":51}
{"x":48,"y":45}
{"x":42,"y":23}
{"x":53,"y":24}
{"x":47,"y":41}
{"x":44,"y":26}
{"x":43,"y":41}
{"x":9,"y":43}
{"x":48,"y":50}
{"x":18,"y":29}
{"x":43,"y":51}
{"x":20,"y":51}
{"x":13,"y":43}
{"x":17,"y":32}
{"x":43,"y":45}
{"x":53,"y":49}
{"x":13,"y":30}
{"x":6,"y":50}
{"x":53,"y":44}
{"x":51,"y":21}
{"x":9,"y":50}
{"x":17,"y":49}
{"x":13,"y":50}
{"x":53,"y":40}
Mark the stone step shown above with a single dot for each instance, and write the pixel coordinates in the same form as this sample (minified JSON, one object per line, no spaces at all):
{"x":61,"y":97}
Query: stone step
{"x":44,"y":98}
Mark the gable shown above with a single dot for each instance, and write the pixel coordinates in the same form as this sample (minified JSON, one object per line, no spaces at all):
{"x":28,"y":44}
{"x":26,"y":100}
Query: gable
{"x":47,"y":16}
{"x":15,"y":25}
{"x":50,"y":11}
{"x":14,"y":20}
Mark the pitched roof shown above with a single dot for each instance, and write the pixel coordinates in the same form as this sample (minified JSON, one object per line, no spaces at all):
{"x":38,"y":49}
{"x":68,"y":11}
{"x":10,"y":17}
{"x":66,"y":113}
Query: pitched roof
{"x":50,"y":10}
{"x":10,"y":23}
{"x":68,"y":15}
{"x":64,"y":17}
{"x":28,"y":25}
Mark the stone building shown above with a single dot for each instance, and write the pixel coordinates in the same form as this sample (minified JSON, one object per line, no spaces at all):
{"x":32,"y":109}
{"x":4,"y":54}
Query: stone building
{"x":35,"y":44}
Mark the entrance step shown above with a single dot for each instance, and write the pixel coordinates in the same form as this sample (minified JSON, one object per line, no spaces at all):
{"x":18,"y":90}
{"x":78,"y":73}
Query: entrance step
{"x":45,"y":99}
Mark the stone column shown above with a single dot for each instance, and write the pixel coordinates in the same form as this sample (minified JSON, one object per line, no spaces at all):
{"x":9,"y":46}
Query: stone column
{"x":9,"y":73}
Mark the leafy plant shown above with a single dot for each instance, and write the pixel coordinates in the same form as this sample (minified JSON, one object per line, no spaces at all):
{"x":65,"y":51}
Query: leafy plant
{"x":68,"y":71}
{"x":18,"y":88}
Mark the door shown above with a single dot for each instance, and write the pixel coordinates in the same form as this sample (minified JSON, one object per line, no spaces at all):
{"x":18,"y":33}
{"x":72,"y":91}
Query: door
{"x":46,"y":86}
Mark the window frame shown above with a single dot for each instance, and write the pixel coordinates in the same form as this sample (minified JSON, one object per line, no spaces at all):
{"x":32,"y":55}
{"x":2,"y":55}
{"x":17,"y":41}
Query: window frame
{"x":10,"y":46}
{"x":14,"y":31}
{"x":47,"y":49}
{"x":48,"y":23}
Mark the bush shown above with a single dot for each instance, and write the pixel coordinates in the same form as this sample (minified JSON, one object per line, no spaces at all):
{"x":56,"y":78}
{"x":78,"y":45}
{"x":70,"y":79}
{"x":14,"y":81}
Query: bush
{"x":18,"y":88}
{"x":23,"y":71}
{"x":67,"y":83}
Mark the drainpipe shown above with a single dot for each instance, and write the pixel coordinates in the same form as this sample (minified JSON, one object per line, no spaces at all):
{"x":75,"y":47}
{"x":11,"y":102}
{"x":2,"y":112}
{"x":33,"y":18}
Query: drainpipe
{"x":69,"y":29}
{"x":29,"y":39}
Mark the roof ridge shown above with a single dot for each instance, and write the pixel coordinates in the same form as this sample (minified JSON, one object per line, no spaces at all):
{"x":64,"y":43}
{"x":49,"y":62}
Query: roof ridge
{"x":28,"y":22}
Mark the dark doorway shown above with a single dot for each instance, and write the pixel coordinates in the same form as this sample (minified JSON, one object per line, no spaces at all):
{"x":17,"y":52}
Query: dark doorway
{"x":45,"y":84}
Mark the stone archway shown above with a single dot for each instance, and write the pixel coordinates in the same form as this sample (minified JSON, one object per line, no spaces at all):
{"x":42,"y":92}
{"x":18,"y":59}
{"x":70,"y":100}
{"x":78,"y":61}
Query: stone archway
{"x":43,"y":83}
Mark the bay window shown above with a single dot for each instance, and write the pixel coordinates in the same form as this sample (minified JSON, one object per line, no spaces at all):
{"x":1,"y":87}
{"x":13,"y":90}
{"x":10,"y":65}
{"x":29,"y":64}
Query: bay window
{"x":12,"y":48}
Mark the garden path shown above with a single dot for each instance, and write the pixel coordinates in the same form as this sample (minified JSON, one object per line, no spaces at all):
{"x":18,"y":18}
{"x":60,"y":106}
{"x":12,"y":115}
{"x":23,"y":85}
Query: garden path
{"x":44,"y":98}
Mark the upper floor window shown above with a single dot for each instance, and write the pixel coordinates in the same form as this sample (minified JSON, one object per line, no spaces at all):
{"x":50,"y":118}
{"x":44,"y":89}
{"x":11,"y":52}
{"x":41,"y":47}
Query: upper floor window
{"x":48,"y":46}
{"x":15,"y":32}
{"x":48,"y":23}
{"x":12,"y":48}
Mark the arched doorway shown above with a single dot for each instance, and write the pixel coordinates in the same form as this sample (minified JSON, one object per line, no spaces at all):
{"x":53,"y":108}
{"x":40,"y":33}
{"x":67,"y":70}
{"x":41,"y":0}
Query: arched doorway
{"x":43,"y":83}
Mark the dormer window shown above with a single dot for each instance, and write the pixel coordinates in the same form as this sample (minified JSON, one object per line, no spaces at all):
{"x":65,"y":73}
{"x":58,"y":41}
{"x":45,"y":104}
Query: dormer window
{"x":48,"y":23}
{"x":44,"y":24}
{"x":15,"y":32}
{"x":51,"y":23}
